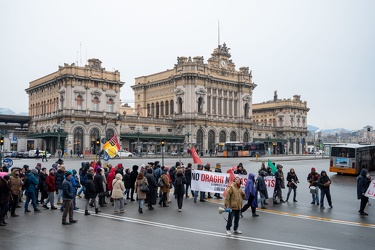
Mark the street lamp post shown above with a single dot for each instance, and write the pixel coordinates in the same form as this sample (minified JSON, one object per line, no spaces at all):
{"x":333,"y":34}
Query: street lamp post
{"x":162,"y":152}
{"x":59,"y":125}
{"x":138,"y":148}
{"x":118,"y":117}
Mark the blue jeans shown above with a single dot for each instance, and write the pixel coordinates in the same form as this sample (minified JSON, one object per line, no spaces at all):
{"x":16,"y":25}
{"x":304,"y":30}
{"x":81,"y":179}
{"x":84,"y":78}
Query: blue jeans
{"x":30,"y":196}
{"x":59,"y":196}
{"x":81,"y":190}
{"x":315,"y":196}
{"x":236,"y":215}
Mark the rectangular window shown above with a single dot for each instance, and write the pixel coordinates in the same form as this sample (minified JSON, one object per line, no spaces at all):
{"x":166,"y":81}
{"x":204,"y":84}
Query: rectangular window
{"x":170,"y":130}
{"x":158,"y":129}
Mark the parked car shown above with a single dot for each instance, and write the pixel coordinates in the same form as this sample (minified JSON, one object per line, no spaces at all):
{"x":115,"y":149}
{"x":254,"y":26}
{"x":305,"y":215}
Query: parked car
{"x":7,"y":154}
{"x":124,"y":153}
{"x":32,"y":154}
{"x":174,"y":153}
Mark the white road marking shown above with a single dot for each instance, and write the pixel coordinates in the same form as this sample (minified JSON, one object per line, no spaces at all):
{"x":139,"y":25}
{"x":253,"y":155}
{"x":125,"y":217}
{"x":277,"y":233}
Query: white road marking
{"x":209,"y":233}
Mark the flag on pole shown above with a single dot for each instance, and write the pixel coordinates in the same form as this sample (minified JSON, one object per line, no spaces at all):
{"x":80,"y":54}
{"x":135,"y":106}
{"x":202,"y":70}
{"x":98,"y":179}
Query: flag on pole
{"x":195,"y":156}
{"x":111,"y":147}
{"x":231,"y":178}
{"x":272,"y":166}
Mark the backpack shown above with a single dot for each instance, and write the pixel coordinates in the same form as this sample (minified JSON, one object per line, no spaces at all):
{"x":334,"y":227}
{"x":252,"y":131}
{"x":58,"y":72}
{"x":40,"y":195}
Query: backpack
{"x":26,"y":182}
{"x":160,"y":182}
{"x":179,"y":182}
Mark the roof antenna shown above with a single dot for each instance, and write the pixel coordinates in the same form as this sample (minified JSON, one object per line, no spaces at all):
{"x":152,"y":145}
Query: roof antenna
{"x":218,"y":32}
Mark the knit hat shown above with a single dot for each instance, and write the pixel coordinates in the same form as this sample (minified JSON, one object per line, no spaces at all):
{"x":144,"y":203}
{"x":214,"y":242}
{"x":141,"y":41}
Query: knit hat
{"x":67,"y":173}
{"x":312,"y":169}
{"x":26,"y":167}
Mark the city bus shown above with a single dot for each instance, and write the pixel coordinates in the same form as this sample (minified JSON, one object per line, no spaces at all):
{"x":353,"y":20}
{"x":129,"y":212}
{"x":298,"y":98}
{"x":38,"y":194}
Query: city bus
{"x":232,"y":149}
{"x":350,"y":158}
{"x":255,"y":148}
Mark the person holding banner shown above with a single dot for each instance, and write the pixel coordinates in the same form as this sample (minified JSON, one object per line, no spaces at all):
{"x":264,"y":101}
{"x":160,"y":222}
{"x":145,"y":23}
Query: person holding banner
{"x":280,"y":184}
{"x":233,"y":200}
{"x":262,"y":189}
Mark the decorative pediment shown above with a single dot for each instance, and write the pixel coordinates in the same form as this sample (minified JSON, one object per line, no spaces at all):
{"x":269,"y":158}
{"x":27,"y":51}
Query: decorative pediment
{"x":247,"y":98}
{"x":201,"y":91}
{"x":179,"y":92}
{"x":96,"y":93}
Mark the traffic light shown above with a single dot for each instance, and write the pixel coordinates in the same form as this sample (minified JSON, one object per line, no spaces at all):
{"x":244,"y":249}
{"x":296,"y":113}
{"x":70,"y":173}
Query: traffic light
{"x":162,"y":143}
{"x":2,"y":141}
{"x":98,"y":142}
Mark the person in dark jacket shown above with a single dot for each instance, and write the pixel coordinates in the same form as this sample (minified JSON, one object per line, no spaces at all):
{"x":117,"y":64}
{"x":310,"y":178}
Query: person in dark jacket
{"x":30,"y":190}
{"x":180,"y":182}
{"x":217,"y":170}
{"x":5,"y":195}
{"x":133,"y":178}
{"x":59,"y":178}
{"x":279,"y":184}
{"x":90,"y":193}
{"x":127,"y":183}
{"x":363,"y":182}
{"x":99,"y":188}
{"x":43,"y":185}
{"x":292,"y":180}
{"x":188,"y":180}
{"x":324,"y":182}
{"x":153,"y":189}
{"x":68,"y":194}
{"x":262,"y":189}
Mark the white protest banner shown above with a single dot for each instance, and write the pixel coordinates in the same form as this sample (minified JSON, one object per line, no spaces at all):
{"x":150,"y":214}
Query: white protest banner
{"x":205,"y":181}
{"x":208,"y":181}
{"x":270,"y":184}
{"x":371,"y":190}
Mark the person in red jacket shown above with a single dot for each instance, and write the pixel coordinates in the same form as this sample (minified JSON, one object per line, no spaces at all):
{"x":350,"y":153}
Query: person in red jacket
{"x":51,"y":189}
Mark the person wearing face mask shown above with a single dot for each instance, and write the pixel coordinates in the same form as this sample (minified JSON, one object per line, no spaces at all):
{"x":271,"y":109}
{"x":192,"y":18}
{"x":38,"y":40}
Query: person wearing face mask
{"x":233,"y":200}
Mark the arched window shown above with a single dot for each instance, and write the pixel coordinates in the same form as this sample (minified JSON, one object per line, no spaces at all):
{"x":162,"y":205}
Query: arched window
{"x":179,"y":105}
{"x":95,"y":104}
{"x":152,"y":109}
{"x":246,"y":137}
{"x":148,"y":110}
{"x":211,"y":139}
{"x":222,"y":136}
{"x":110,"y":105}
{"x":109,"y":133}
{"x":200,"y":105}
{"x":162,"y":108}
{"x":79,"y":102}
{"x":78,"y":140}
{"x":157,"y":110}
{"x":94,"y":135}
{"x":172,"y":107}
{"x":247,"y":110}
{"x":166,"y":108}
{"x":199,"y":140}
{"x":235,"y":108}
{"x":233,"y":136}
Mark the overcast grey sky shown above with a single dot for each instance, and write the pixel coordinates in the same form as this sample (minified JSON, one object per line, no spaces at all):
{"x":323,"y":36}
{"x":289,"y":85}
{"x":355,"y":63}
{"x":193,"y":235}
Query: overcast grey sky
{"x":322,"y":50}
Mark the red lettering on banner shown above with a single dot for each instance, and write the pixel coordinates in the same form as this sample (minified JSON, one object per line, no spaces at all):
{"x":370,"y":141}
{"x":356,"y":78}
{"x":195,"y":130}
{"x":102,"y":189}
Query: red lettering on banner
{"x":270,"y":183}
{"x":212,"y":178}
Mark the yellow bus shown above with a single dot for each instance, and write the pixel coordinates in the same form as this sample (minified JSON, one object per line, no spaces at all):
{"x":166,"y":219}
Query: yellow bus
{"x":350,"y":158}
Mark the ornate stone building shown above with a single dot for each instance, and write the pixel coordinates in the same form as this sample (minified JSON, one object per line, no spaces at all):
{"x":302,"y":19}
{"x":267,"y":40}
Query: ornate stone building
{"x":207,"y":102}
{"x":74,"y":107}
{"x":281,"y":124}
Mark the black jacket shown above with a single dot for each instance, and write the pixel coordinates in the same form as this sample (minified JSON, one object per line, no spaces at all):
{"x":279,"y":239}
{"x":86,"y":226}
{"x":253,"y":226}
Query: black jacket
{"x":98,"y":181}
{"x":89,"y":188}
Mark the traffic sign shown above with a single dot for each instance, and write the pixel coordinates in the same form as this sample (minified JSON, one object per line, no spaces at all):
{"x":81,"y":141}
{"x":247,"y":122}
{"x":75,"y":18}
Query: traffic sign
{"x":8,"y":162}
